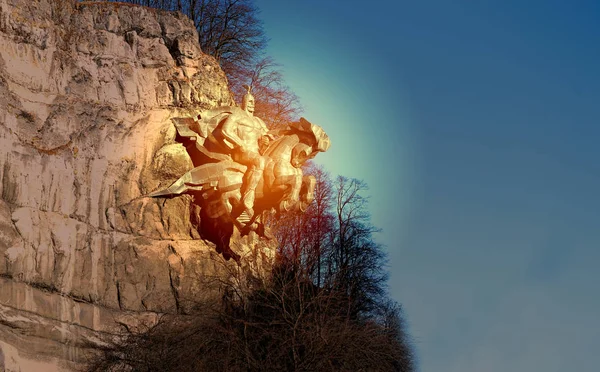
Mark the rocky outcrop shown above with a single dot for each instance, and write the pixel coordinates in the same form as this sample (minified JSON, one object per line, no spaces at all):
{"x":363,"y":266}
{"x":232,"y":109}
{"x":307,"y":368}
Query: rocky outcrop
{"x":87,"y":91}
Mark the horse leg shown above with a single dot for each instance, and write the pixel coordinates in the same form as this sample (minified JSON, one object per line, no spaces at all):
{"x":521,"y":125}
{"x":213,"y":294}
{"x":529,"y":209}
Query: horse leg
{"x":290,"y":199}
{"x":307,"y":192}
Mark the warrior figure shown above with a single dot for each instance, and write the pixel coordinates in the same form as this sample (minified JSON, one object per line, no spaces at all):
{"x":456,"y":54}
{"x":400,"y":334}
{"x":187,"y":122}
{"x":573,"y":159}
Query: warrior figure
{"x":247,"y":134}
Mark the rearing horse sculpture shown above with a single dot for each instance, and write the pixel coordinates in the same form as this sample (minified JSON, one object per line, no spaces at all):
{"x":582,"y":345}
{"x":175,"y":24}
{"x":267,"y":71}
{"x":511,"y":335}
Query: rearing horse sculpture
{"x":217,"y":180}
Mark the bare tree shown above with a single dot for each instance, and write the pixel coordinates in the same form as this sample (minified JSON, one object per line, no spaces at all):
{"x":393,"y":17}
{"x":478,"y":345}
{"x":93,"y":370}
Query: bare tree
{"x":304,"y":237}
{"x":321,"y":222}
{"x":229,"y":30}
{"x":356,"y":262}
{"x":332,"y":244}
{"x":275,"y":102}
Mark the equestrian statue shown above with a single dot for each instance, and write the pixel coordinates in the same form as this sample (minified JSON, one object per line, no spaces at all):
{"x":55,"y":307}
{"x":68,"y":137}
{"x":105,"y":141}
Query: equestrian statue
{"x":243,"y":170}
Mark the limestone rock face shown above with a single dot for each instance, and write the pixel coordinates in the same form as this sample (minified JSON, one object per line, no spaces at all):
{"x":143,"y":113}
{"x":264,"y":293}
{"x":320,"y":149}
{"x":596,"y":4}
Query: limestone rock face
{"x":87,"y":92}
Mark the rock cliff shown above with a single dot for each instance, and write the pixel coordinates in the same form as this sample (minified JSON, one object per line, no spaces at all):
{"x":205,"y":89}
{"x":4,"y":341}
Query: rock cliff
{"x":87,"y":91}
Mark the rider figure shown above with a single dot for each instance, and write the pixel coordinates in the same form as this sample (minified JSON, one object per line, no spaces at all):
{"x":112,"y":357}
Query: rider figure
{"x":248,"y":134}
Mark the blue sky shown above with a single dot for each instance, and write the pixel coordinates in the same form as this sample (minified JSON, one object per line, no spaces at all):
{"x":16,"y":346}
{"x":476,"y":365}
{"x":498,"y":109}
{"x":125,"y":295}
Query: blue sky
{"x":476,"y":125}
